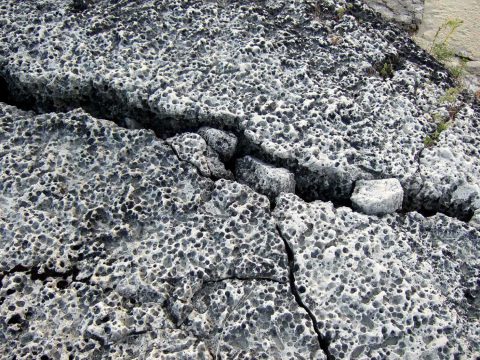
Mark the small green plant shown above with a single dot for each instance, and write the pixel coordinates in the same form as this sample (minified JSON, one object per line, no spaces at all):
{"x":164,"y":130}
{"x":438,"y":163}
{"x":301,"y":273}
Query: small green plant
{"x":440,"y":48}
{"x":450,"y":96}
{"x":432,"y":139}
{"x":386,"y":70}
{"x":340,"y":12}
{"x":458,"y":70}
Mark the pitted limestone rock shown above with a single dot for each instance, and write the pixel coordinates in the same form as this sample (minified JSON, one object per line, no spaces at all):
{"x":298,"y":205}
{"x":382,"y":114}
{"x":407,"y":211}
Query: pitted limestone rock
{"x":223,"y":142}
{"x":82,"y":321}
{"x":441,"y":177}
{"x":389,"y":287}
{"x":193,"y":148}
{"x":264,"y":178}
{"x":377,"y":197}
{"x":232,"y":316}
{"x":302,"y":84}
{"x":107,"y":237}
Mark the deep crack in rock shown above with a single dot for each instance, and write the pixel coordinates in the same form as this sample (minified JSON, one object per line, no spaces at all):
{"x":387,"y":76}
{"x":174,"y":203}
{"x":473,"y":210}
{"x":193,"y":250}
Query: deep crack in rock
{"x":323,"y":341}
{"x":306,"y":185}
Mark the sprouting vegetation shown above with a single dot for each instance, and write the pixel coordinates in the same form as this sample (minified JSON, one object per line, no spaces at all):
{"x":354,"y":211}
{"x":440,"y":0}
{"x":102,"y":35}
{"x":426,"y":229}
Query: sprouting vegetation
{"x":442,"y":51}
{"x":432,"y":139}
{"x":450,"y":96}
{"x":386,"y":70}
{"x":450,"y":100}
{"x":440,"y":47}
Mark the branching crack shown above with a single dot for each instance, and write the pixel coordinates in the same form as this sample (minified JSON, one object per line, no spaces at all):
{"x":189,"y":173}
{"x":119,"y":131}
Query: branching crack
{"x":323,"y":340}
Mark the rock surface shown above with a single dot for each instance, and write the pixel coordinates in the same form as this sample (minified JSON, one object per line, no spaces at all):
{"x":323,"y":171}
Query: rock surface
{"x":108,"y":237}
{"x":223,"y":142}
{"x":377,"y":197}
{"x":123,"y":243}
{"x":388,"y":287}
{"x":332,"y":118}
{"x":264,"y":178}
{"x":407,"y":13}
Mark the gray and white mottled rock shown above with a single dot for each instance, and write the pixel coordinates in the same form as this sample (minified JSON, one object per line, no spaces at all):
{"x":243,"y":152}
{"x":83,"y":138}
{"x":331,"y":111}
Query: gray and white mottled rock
{"x":264,"y":178}
{"x":475,"y":220}
{"x":407,"y":13}
{"x":223,"y":142}
{"x":108,"y":238}
{"x":390,"y":287}
{"x":234,"y":315}
{"x":193,"y":148}
{"x":377,"y":197}
{"x":441,"y":177}
{"x":272,"y":72}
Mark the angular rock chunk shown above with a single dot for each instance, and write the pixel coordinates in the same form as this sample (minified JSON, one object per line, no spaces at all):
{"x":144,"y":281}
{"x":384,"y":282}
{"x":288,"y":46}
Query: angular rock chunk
{"x":377,"y":197}
{"x":192,"y":147}
{"x":223,"y":142}
{"x":475,"y":220}
{"x":264,"y":178}
{"x":386,"y":287}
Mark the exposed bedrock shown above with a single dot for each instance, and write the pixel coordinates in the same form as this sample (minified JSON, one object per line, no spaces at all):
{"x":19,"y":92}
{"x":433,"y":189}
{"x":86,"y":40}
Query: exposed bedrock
{"x":396,"y":287}
{"x":332,"y":98}
{"x":111,"y":245}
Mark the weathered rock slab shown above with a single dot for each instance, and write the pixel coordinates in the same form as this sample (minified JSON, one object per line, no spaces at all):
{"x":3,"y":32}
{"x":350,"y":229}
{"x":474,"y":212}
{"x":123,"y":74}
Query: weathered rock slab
{"x":333,"y":98}
{"x":389,"y":287}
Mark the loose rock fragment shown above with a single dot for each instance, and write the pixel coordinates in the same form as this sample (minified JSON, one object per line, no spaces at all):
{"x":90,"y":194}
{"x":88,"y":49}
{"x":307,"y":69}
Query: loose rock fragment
{"x":263,"y":177}
{"x":223,"y":142}
{"x":377,"y":197}
{"x":475,"y":220}
{"x":192,"y":147}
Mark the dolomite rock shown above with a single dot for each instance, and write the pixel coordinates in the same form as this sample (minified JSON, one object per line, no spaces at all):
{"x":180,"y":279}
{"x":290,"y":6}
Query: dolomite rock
{"x":264,"y":178}
{"x":110,"y":244}
{"x":377,"y":197}
{"x":268,"y":70}
{"x":475,"y":220}
{"x":192,"y":147}
{"x":407,"y":13}
{"x":389,"y":287}
{"x":223,"y":142}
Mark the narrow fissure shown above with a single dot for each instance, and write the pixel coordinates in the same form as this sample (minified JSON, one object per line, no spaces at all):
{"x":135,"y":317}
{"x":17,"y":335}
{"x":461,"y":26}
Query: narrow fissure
{"x":106,"y":104}
{"x":323,"y":340}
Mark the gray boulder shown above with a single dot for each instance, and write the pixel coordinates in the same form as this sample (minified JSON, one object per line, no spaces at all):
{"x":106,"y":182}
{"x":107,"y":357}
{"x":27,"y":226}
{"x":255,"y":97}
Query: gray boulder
{"x":264,"y":178}
{"x":377,"y":197}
